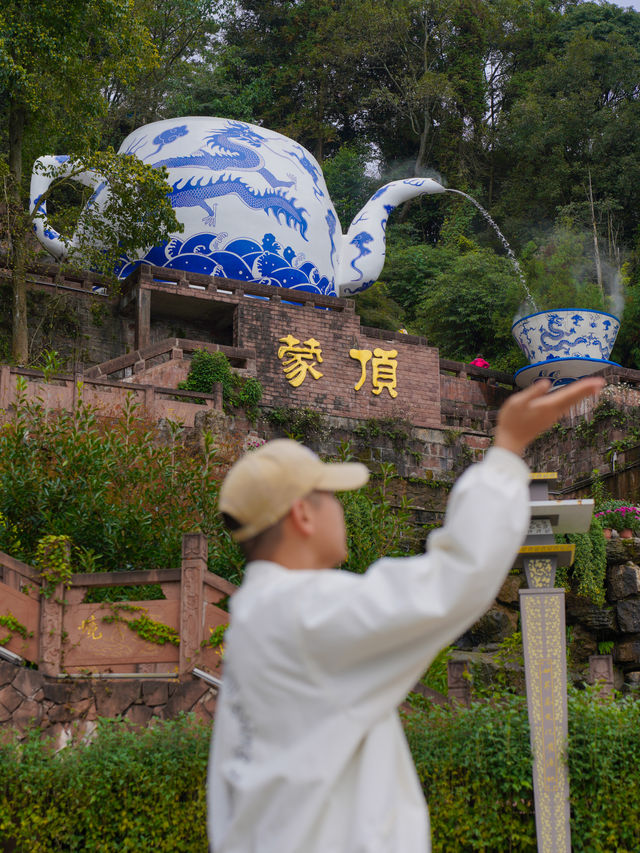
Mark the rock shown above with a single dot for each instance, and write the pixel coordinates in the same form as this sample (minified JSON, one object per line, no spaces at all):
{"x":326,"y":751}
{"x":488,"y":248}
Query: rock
{"x":27,"y":714}
{"x":10,"y":697}
{"x":509,"y":590}
{"x":627,"y":651}
{"x":138,"y":715}
{"x":7,"y":672}
{"x":81,"y":707}
{"x":623,"y":550}
{"x":583,"y":645}
{"x":184,"y":698}
{"x":496,"y":624}
{"x":582,"y":610}
{"x":60,"y":714}
{"x":114,"y":697}
{"x":208,"y":703}
{"x":81,"y":689}
{"x":60,"y":735}
{"x":629,"y":615}
{"x":28,"y":682}
{"x":623,"y":581}
{"x":155,"y":692}
{"x":5,"y":714}
{"x":57,"y":691}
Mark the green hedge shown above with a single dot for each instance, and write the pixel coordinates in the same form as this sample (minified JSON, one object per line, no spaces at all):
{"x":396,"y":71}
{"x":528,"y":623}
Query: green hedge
{"x":125,"y":790}
{"x":145,"y":790}
{"x":475,"y":768}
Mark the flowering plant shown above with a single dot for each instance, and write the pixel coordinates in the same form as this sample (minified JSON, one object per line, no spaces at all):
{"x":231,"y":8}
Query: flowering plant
{"x":619,"y":515}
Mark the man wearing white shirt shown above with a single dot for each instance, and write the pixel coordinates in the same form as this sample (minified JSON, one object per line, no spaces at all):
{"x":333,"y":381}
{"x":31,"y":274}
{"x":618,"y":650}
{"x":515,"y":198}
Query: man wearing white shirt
{"x":308,"y":753}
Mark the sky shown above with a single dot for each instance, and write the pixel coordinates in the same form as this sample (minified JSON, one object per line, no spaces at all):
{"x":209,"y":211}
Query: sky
{"x":635,"y":4}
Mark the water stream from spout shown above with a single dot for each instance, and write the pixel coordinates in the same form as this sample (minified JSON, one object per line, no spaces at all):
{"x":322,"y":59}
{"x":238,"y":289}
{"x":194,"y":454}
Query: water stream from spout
{"x":504,"y":242}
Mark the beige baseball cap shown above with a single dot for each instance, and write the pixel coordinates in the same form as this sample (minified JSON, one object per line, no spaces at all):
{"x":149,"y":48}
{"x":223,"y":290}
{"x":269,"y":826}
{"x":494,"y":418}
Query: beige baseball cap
{"x":262,"y":485}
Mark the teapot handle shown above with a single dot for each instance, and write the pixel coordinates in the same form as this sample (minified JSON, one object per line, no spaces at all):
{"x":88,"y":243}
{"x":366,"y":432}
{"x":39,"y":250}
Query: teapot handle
{"x":45,"y":171}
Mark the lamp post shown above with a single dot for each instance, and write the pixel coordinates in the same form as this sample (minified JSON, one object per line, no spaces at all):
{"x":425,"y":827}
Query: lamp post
{"x":545,"y":658}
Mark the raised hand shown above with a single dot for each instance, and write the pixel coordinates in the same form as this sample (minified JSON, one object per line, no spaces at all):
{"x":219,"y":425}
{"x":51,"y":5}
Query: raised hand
{"x":526,"y":414}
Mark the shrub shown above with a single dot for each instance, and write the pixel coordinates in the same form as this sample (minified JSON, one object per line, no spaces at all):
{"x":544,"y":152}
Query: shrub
{"x":476,"y":770}
{"x":122,"y":499}
{"x":375,"y":527}
{"x":145,"y":790}
{"x":125,"y":790}
{"x":590,"y":563}
{"x":237,"y":391}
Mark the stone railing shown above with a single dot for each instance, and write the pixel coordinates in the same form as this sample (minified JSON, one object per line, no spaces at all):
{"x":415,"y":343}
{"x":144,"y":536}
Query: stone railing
{"x":61,"y":391}
{"x":162,"y":277}
{"x":63,"y":634}
{"x":130,"y":364}
{"x":54,"y":276}
{"x":481,"y":374}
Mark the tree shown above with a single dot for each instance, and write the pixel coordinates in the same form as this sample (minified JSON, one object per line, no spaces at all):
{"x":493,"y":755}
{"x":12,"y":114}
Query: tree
{"x":570,"y":138}
{"x":468,"y":308}
{"x":428,"y":88}
{"x":182,"y":33}
{"x":303,"y":62}
{"x":55,"y":59}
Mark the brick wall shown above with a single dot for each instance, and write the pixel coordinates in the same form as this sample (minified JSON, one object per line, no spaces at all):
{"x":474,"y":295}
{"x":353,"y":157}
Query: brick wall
{"x":330,"y":385}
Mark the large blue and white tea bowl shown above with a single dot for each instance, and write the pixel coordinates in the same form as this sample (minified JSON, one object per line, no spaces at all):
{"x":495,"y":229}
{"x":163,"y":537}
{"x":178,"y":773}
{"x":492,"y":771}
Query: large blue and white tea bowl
{"x":565,"y":344}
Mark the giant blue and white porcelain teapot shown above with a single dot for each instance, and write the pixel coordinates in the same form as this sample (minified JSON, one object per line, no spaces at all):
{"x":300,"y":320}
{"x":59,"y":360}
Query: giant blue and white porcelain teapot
{"x":254,"y":206}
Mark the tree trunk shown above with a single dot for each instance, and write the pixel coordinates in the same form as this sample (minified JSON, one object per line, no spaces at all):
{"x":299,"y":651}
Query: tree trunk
{"x":596,"y":247}
{"x":422,"y":150}
{"x":18,"y":237}
{"x":417,"y":168}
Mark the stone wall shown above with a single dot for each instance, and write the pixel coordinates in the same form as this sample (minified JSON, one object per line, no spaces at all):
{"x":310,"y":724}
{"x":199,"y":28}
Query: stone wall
{"x":85,"y":327}
{"x":596,"y":434}
{"x":29,"y":699}
{"x":616,"y":622}
{"x":107,"y":398}
{"x":470,"y":396}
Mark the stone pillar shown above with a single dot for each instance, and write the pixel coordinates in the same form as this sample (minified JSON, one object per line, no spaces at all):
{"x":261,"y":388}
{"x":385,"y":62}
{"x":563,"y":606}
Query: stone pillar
{"x":192,"y":603}
{"x":51,"y":611}
{"x":543,"y":641}
{"x":143,"y":318}
{"x":458,"y":684}
{"x":216,"y":390}
{"x":5,"y":386}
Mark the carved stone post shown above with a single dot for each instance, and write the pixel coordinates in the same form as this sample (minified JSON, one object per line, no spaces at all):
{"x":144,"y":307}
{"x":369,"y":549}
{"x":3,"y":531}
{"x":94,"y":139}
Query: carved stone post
{"x":51,"y":611}
{"x":195,"y":550}
{"x":543,"y":640}
{"x":458,"y":684}
{"x":601,"y":673}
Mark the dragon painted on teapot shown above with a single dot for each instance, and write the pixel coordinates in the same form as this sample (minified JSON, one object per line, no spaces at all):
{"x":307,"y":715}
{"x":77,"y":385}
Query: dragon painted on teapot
{"x":254,"y":206}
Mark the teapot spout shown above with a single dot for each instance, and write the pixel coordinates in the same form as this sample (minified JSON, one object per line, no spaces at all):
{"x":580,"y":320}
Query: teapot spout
{"x":363,"y":246}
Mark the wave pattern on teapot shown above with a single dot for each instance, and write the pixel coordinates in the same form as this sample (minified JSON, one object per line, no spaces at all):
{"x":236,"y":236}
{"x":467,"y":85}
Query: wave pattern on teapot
{"x":255,"y":207}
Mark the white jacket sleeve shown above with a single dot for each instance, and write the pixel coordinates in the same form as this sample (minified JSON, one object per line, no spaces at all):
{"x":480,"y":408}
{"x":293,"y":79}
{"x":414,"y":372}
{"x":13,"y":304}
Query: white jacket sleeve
{"x":382,"y":629}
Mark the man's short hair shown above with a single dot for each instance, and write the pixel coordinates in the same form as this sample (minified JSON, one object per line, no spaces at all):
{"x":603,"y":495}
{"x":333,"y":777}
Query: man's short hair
{"x":255,"y":544}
